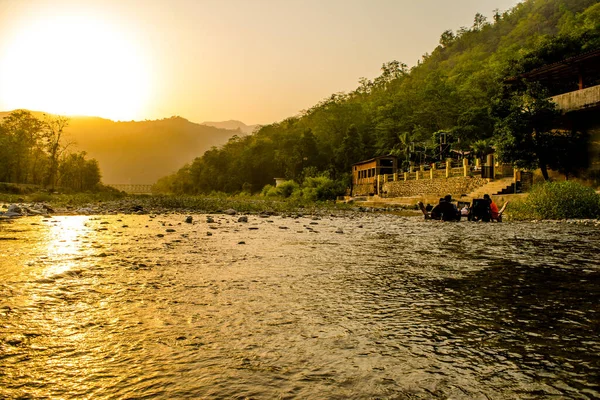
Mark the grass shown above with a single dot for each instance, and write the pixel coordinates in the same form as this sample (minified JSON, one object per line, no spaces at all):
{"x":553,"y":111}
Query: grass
{"x":240,"y":203}
{"x":557,"y":200}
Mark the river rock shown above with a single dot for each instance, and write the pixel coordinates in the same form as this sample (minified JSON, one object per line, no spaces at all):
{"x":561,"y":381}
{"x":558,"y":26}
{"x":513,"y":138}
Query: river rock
{"x":189,"y":219}
{"x":243,"y":218}
{"x":230,"y":211}
{"x":15,"y":209}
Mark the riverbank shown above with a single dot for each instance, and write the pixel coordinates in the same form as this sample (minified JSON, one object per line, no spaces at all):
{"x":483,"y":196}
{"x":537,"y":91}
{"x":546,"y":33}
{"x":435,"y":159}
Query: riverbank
{"x":86,"y":204}
{"x":521,"y":207}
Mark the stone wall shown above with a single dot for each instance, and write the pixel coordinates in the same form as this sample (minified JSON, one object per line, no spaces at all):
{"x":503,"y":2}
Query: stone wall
{"x":455,"y":186}
{"x":363,"y":190}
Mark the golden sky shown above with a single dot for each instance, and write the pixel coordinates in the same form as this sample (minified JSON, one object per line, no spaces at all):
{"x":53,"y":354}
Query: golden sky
{"x":258,"y":61}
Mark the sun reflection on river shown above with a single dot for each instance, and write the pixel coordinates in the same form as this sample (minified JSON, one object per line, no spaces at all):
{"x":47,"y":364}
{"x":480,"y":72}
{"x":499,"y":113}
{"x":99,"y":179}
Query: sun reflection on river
{"x":64,"y":242}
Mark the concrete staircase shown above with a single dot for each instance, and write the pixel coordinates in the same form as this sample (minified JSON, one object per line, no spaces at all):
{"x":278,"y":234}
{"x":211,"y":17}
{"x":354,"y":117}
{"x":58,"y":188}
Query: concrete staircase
{"x":492,"y":188}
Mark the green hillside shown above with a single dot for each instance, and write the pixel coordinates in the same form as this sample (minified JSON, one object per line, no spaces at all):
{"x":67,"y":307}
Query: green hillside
{"x":405,"y":110}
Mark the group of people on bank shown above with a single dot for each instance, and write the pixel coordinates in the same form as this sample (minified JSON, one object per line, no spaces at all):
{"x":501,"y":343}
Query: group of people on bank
{"x":485,"y":210}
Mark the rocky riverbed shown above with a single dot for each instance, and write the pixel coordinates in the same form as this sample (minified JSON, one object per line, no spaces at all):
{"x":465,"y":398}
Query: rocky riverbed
{"x":345,"y":305}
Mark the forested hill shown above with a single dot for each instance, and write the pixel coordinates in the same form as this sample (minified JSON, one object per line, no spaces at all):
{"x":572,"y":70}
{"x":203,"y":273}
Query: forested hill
{"x":403,"y":110}
{"x":140,"y":151}
{"x":232,"y":125}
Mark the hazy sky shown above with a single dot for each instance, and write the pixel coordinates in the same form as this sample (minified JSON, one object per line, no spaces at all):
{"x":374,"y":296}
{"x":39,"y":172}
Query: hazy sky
{"x":258,"y":61}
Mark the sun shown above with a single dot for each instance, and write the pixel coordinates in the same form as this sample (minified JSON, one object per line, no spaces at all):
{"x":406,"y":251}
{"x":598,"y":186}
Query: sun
{"x":75,"y":65}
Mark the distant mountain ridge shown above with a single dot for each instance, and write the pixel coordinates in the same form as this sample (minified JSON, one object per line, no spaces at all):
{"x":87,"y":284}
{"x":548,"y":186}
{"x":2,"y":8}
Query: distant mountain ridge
{"x":140,"y":151}
{"x":232,"y":125}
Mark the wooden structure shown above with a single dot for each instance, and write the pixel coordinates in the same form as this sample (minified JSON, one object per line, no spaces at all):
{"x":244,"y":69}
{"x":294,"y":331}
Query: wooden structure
{"x":367,"y":175}
{"x":569,"y":75}
{"x":574,"y":84}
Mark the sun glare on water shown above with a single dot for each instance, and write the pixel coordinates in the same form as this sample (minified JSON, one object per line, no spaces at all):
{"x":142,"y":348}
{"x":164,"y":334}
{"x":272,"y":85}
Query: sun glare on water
{"x":75,"y":65}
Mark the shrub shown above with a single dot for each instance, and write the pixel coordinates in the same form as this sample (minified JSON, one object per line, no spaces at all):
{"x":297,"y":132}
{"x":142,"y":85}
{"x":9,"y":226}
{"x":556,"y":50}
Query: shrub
{"x":322,"y":188}
{"x":269,"y":191}
{"x":558,"y":200}
{"x":285,"y":189}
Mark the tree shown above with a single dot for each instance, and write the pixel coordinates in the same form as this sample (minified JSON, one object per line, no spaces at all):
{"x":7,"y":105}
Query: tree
{"x":447,"y":38}
{"x":524,"y":130}
{"x":21,"y":140}
{"x":53,"y":135}
{"x":79,"y":174}
{"x":479,"y":22}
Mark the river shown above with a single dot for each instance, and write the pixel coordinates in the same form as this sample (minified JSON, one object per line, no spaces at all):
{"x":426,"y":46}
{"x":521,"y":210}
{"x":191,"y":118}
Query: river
{"x":360,"y":306}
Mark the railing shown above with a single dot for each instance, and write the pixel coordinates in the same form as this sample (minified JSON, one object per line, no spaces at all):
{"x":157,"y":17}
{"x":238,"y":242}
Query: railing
{"x":451,"y":169}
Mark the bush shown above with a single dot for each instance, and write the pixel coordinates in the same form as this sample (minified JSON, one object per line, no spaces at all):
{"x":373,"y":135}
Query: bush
{"x":558,"y":200}
{"x":269,"y":191}
{"x":286,"y":188}
{"x":322,"y":188}
{"x":13,"y":188}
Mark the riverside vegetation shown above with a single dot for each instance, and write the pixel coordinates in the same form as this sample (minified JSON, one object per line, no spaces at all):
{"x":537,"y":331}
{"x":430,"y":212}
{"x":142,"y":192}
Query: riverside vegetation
{"x":546,"y":201}
{"x":557,"y":200}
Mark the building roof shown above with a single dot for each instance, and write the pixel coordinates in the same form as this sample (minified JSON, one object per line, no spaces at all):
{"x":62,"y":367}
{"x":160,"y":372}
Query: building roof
{"x":374,"y":158}
{"x":588,"y":62}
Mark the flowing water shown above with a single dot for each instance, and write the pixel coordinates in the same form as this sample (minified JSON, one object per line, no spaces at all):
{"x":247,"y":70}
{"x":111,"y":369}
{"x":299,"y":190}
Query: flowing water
{"x":363,"y":306}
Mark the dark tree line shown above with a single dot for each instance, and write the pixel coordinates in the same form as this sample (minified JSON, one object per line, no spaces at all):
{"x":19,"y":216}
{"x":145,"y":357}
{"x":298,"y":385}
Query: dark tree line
{"x":453,"y":102}
{"x":34,"y":151}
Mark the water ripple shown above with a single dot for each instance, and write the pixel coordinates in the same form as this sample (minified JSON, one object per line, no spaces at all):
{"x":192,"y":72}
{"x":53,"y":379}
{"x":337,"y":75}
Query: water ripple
{"x":135,"y":307}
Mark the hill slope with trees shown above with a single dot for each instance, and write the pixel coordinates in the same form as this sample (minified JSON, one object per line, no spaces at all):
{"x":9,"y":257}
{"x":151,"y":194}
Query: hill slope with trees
{"x":139,"y":151}
{"x":452,"y":92}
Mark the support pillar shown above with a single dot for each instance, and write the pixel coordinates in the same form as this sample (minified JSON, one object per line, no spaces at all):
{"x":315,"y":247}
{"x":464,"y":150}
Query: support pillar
{"x":490,"y":163}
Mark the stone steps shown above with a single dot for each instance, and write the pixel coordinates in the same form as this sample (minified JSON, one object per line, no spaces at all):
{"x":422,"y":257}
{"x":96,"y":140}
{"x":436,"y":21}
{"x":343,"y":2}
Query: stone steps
{"x":491,"y":188}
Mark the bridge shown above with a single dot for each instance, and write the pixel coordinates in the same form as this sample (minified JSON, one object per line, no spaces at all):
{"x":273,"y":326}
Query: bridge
{"x":132,"y":188}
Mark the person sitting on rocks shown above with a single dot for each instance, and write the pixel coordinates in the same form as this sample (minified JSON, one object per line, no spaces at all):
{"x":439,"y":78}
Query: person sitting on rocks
{"x":494,"y":212}
{"x":445,"y":210}
{"x":480,"y":211}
